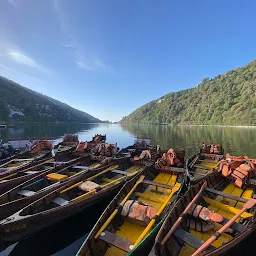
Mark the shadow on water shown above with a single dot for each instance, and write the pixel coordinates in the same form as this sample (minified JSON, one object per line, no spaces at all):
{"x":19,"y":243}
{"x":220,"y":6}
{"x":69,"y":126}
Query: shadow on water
{"x":55,"y":239}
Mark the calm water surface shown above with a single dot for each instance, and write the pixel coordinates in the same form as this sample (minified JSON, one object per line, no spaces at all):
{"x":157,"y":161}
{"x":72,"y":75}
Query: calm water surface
{"x":66,"y":237}
{"x":238,"y":141}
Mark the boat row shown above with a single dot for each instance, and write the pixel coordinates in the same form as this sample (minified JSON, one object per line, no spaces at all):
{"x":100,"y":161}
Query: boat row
{"x":162,"y":204}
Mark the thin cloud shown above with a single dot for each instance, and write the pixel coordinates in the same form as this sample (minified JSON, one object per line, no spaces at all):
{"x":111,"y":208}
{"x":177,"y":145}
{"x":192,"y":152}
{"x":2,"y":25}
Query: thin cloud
{"x":83,"y":59}
{"x":23,"y":59}
{"x":12,"y":54}
{"x":12,"y":2}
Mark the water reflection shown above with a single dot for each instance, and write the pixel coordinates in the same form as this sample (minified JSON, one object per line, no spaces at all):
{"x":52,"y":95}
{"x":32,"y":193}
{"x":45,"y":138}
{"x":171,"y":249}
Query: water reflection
{"x":235,"y":140}
{"x":238,"y":141}
{"x":115,"y":133}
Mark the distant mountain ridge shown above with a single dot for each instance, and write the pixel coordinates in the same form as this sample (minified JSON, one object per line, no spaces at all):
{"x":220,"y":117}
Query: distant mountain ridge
{"x":22,"y":104}
{"x":228,"y":99}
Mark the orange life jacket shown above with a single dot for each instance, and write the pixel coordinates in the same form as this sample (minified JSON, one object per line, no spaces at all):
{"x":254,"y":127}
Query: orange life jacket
{"x":41,"y":145}
{"x":145,"y":154}
{"x":238,"y":168}
{"x":199,"y":225}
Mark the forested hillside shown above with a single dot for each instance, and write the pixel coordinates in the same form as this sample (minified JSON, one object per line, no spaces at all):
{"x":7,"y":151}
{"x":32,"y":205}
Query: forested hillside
{"x":228,"y":99}
{"x":23,"y":104}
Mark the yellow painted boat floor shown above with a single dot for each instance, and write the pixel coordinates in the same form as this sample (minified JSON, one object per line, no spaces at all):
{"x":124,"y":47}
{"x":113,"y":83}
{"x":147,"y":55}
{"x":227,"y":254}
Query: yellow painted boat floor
{"x":207,"y":164}
{"x":131,"y":231}
{"x":232,"y":190}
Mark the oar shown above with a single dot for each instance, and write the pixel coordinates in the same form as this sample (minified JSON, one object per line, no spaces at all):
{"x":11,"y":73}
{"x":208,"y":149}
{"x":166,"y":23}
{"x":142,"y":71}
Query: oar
{"x":246,"y":206}
{"x":178,"y":221}
{"x":114,"y":213}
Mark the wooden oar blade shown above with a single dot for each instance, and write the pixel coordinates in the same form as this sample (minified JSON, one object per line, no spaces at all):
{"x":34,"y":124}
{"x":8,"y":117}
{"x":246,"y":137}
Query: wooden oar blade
{"x":249,"y":204}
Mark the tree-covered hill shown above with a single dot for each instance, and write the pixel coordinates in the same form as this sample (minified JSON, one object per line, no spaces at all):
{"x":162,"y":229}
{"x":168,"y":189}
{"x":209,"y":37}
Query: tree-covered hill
{"x":23,"y":104}
{"x":228,"y":99}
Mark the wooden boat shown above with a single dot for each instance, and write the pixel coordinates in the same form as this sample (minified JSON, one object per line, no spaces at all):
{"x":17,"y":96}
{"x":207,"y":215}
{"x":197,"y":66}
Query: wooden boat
{"x":68,"y":200}
{"x":118,"y":232}
{"x":42,"y":184}
{"x":12,"y":178}
{"x":189,"y":230}
{"x":204,"y":163}
{"x":69,"y":144}
{"x":24,"y":149}
{"x":139,"y":145}
{"x":14,"y":163}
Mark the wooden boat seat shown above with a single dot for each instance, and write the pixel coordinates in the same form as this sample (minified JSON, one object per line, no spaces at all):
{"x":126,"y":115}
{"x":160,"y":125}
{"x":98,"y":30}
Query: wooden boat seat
{"x":236,"y":198}
{"x":116,"y":241}
{"x":149,"y":182}
{"x":55,"y":177}
{"x":60,"y":201}
{"x":119,"y":172}
{"x":191,"y":240}
{"x":235,"y":226}
{"x":25,"y":192}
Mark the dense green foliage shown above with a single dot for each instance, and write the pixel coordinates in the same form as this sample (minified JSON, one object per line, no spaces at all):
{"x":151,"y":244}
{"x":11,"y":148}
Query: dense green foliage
{"x":228,"y":99}
{"x":23,"y":104}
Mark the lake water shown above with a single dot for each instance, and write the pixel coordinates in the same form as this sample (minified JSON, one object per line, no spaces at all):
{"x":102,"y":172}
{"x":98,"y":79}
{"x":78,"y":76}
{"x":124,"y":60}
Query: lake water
{"x":237,"y":141}
{"x":66,"y":237}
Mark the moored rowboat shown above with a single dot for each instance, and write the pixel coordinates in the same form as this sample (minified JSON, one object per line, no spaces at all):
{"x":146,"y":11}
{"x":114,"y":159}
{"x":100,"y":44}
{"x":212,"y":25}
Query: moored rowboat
{"x":205,"y":162}
{"x":14,"y":177}
{"x":79,"y":193}
{"x":42,"y":184}
{"x":222,"y":210}
{"x":133,"y":213}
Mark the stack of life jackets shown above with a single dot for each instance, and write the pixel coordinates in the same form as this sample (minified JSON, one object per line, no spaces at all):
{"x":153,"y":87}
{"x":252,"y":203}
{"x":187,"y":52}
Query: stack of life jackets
{"x":103,"y":149}
{"x":145,"y":155}
{"x":85,"y":146}
{"x":168,"y":159}
{"x":202,"y":219}
{"x":41,"y":145}
{"x":70,"y":138}
{"x":138,"y":212}
{"x":238,"y":168}
{"x":211,"y":149}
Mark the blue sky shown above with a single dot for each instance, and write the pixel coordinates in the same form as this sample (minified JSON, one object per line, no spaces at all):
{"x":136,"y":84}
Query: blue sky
{"x":109,"y":57}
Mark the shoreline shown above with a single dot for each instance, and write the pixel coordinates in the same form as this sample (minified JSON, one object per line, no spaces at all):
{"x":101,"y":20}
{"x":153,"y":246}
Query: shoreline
{"x":194,"y":125}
